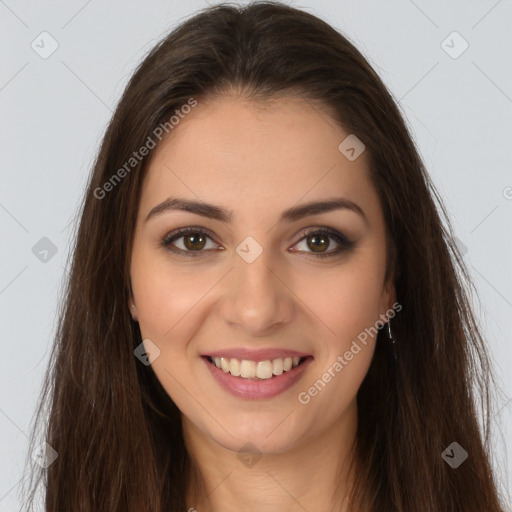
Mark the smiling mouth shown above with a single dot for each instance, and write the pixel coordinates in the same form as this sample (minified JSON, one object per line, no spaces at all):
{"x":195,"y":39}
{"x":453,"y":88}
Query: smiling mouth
{"x":256,"y":370}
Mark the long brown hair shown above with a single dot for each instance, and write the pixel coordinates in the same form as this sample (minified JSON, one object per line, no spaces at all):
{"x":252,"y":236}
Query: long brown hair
{"x":118,"y":434}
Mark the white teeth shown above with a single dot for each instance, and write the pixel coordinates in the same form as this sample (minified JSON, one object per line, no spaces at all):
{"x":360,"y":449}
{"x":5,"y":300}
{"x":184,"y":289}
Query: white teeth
{"x":264,"y":370}
{"x":256,"y":369}
{"x":224,"y":363}
{"x":234,"y":367}
{"x":277,"y":366}
{"x":247,"y":369}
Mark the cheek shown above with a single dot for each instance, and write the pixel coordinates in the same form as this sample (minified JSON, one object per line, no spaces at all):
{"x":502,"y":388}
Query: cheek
{"x":346,"y":300}
{"x":348,"y":304}
{"x":165,"y":296}
{"x":167,"y":307}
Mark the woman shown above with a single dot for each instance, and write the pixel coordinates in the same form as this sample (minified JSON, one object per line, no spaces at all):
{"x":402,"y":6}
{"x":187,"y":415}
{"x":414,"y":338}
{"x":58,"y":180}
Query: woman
{"x":265,"y":308}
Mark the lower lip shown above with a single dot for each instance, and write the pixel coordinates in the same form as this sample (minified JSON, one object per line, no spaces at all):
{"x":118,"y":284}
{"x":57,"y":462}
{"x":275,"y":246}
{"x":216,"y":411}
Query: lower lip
{"x":257,"y":389}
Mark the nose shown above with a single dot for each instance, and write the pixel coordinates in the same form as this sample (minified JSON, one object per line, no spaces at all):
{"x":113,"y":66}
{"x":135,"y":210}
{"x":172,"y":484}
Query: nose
{"x":257,"y":298}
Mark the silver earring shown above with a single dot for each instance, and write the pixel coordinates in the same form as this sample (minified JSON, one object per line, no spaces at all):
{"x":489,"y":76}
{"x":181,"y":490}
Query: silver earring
{"x":392,"y":341}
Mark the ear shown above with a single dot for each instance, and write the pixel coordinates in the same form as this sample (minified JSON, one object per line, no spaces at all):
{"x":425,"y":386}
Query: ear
{"x":131,"y":303}
{"x":389,"y":295}
{"x":133,"y":309}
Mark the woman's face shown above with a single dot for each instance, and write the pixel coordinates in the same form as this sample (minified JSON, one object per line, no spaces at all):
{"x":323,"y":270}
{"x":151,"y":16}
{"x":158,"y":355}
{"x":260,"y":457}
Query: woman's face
{"x":259,"y":287}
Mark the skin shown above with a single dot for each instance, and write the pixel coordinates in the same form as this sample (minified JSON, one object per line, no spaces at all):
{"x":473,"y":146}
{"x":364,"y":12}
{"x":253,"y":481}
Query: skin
{"x":239,"y":155}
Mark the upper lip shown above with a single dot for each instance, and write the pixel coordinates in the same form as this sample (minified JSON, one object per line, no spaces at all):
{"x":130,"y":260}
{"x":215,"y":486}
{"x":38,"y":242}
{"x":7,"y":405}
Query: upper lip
{"x":251,"y":354}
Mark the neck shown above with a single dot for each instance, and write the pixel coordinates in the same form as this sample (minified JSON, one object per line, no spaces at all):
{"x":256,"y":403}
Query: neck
{"x":314,"y":474}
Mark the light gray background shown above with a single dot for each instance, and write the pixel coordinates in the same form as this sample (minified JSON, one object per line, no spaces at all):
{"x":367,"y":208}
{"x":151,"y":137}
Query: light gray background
{"x":54,"y":112}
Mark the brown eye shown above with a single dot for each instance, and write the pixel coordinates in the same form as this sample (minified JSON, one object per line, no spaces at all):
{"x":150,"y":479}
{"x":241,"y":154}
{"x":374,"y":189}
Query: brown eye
{"x":194,"y":241}
{"x":319,"y":242}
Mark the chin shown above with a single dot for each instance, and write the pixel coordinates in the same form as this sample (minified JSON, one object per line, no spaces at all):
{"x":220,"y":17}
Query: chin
{"x":264,"y":436}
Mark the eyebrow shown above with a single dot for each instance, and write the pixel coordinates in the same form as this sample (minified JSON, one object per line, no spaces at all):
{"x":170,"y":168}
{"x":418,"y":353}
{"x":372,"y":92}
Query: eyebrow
{"x":290,"y":215}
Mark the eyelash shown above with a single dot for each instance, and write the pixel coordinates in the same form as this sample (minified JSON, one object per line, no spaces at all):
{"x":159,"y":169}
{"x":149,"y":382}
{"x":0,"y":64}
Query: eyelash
{"x":342,"y":240}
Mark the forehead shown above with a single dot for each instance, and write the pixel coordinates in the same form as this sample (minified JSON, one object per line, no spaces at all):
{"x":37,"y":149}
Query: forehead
{"x":247,"y":156}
